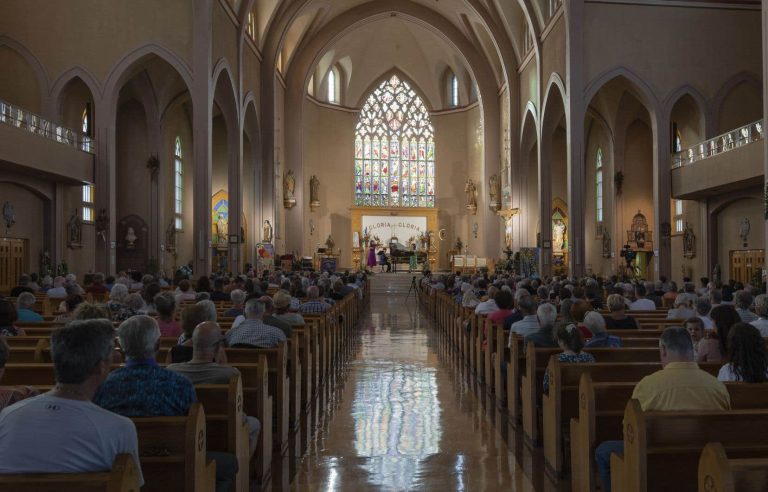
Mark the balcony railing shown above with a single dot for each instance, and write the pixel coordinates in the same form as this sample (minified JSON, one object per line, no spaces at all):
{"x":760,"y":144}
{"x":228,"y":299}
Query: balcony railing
{"x":722,"y":143}
{"x":26,"y":120}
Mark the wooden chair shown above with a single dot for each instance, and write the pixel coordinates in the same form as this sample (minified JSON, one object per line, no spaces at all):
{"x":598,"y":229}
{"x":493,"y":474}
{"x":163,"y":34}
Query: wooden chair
{"x":123,"y":477}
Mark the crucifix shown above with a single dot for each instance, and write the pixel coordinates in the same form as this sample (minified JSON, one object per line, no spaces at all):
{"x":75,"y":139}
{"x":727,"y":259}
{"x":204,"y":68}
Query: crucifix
{"x":507,"y":215}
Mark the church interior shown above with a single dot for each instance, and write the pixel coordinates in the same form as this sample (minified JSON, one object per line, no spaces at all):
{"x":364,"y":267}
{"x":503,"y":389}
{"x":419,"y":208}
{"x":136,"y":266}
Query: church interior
{"x":524,"y":144}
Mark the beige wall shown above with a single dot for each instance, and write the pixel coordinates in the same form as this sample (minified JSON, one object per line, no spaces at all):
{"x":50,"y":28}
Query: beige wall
{"x":224,"y":39}
{"x":728,"y":227}
{"x":18,"y":82}
{"x":133,"y":178}
{"x":742,"y":105}
{"x":553,"y":52}
{"x":29,"y":219}
{"x":529,"y":86}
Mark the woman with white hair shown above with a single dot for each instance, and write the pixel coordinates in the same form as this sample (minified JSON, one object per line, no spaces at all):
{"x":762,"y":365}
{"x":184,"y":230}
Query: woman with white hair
{"x":595,"y":322}
{"x":682,"y":308}
{"x":116,"y":304}
{"x":58,"y":291}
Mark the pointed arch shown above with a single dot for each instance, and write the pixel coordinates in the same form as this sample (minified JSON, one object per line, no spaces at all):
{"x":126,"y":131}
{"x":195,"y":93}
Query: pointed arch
{"x":76,"y":72}
{"x":529,"y":114}
{"x":40,"y":72}
{"x":641,"y":90}
{"x":555,"y":83}
{"x":718,"y":101}
{"x":402,"y":75}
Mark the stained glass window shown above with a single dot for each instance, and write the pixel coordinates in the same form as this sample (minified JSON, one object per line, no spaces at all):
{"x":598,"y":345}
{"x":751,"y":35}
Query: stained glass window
{"x":394,"y":149}
{"x":599,"y":186}
{"x":178,"y":194}
{"x":679,"y":221}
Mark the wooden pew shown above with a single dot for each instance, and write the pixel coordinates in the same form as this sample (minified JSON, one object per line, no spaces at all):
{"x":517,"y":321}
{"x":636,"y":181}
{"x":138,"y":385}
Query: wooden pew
{"x":225,"y":424}
{"x":662,"y":449}
{"x":123,"y":477}
{"x":172,"y":453}
{"x":601,"y":412}
{"x":719,"y":473}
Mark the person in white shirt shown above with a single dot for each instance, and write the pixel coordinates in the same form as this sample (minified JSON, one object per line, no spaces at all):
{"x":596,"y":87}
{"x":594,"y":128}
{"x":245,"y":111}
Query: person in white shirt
{"x":747,"y":354}
{"x":682,"y":308}
{"x":703,"y":307}
{"x":642,"y":304}
{"x":58,"y":291}
{"x":761,"y":309}
{"x":62,"y":431}
{"x":489,"y":306}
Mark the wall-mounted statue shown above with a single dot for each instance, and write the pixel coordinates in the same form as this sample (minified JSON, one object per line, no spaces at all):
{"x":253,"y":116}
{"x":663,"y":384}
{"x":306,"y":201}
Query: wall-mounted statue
{"x":130,"y":238}
{"x":314,"y":193}
{"x":222,"y":230}
{"x":74,"y":231}
{"x":266,"y":232}
{"x":170,"y":237}
{"x":494,"y":190}
{"x":606,"y":244}
{"x":289,"y":189}
{"x":471,"y":190}
{"x":102,"y":224}
{"x":9,"y":215}
{"x":744,"y":227}
{"x":329,"y":244}
{"x":689,"y":242}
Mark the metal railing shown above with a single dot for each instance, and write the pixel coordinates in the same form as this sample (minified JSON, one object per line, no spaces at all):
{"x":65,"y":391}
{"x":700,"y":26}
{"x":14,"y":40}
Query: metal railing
{"x":26,"y":120}
{"x":722,"y":143}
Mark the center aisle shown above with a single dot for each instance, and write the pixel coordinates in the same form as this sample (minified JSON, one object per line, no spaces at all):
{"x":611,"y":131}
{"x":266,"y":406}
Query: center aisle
{"x":403,"y":418}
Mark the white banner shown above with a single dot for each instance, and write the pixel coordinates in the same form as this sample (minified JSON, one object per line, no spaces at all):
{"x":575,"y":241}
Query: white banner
{"x":386,"y":227}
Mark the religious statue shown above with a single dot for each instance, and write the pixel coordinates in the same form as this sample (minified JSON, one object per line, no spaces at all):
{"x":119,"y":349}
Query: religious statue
{"x":744,"y":228}
{"x":716,"y":273}
{"x":558,"y":236}
{"x":222,"y":229}
{"x":45,"y":263}
{"x":459,"y":245}
{"x":314,"y":192}
{"x":606,"y":244}
{"x":329,"y":244}
{"x":470,"y":190}
{"x":494,"y":190}
{"x":289,"y":187}
{"x":355,"y":239}
{"x":74,"y":231}
{"x":9,"y":215}
{"x":689,"y":242}
{"x":102,"y":224}
{"x":508,"y":231}
{"x":130,"y":238}
{"x":266,"y":232}
{"x":170,"y":237}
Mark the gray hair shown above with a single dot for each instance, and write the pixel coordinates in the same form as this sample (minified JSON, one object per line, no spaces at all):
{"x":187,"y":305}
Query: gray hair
{"x":761,"y":305}
{"x":742,"y":299}
{"x":118,"y":293}
{"x":682,"y":300}
{"x":716,"y":296}
{"x":595,"y":322}
{"x":25,"y":301}
{"x":526,"y":304}
{"x":237,"y":296}
{"x":676,"y":339}
{"x":313,"y":292}
{"x":210,"y":309}
{"x":615,"y":302}
{"x":547,"y":314}
{"x":165,"y":303}
{"x":254,"y":308}
{"x":703,"y":306}
{"x":138,"y":337}
{"x":79,"y":347}
{"x":134,"y":301}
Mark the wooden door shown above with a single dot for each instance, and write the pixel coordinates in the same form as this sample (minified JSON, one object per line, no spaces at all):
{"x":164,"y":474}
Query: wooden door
{"x":744,"y":264}
{"x":13,"y":262}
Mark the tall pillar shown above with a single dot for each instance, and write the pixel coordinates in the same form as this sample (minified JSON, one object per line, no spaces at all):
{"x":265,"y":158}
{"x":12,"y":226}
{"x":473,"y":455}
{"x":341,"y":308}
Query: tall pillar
{"x":235,"y":186}
{"x":544,"y":155}
{"x":105,"y":172}
{"x":662,"y":196}
{"x":765,"y":105}
{"x":202,"y":132}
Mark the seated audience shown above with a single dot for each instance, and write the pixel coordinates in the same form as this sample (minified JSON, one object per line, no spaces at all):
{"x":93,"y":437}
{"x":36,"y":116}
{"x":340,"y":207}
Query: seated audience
{"x":529,"y":324}
{"x":253,"y":332}
{"x":282,"y":303}
{"x":141,"y":388}
{"x":87,"y":310}
{"x":22,"y":287}
{"x":747,"y":356}
{"x":569,"y":339}
{"x":211,"y":314}
{"x":165,"y":305}
{"x":24,"y":304}
{"x":191,"y":316}
{"x":703,"y":307}
{"x":488,"y":306}
{"x":617,"y":319}
{"x":71,"y":303}
{"x":742,"y":299}
{"x":208,"y":366}
{"x":11,"y":394}
{"x":565,"y":311}
{"x":62,"y":431}
{"x":218,"y":293}
{"x":503,"y":299}
{"x":680,"y":385}
{"x":546,"y":315}
{"x":336,"y":291}
{"x":695,"y":328}
{"x":8,"y":318}
{"x":595,"y":323}
{"x":579,"y":309}
{"x":761,"y":309}
{"x":270,"y":319}
{"x":184,"y":292}
{"x":681,"y":309}
{"x":469,"y":299}
{"x":238,"y":299}
{"x":314,"y":304}
{"x":714,"y":347}
{"x":641,"y":303}
{"x":116,"y":304}
{"x":203,"y":284}
{"x":97,"y":287}
{"x":58,"y":291}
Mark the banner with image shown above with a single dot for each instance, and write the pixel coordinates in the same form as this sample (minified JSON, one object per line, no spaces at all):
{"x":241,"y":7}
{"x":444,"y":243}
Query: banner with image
{"x":386,"y":227}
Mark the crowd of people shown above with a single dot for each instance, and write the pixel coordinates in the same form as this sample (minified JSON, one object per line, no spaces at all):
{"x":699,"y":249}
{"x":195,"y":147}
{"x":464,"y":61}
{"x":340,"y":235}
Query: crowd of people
{"x":84,"y":421}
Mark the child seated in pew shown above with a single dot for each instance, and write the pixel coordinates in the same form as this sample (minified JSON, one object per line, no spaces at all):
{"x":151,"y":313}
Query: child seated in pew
{"x":569,"y":339}
{"x":165,"y":304}
{"x":680,"y":385}
{"x":748,"y":358}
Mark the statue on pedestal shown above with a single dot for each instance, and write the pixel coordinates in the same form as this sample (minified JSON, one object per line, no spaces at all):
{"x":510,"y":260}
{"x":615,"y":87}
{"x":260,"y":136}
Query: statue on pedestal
{"x":289,"y":188}
{"x":74,"y":231}
{"x":471,"y":190}
{"x":266,"y":234}
{"x":494,"y":190}
{"x":314,"y":193}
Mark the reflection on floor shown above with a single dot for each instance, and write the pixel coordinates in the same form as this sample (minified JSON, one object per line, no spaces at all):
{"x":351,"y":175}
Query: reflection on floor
{"x":405,"y":416}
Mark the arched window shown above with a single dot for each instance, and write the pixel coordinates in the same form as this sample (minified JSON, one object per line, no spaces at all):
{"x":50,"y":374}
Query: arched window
{"x":250,"y":25}
{"x":679,"y":220}
{"x":86,"y":121}
{"x":599,"y":186}
{"x":178,"y":193}
{"x":332,"y":82}
{"x":678,"y":142}
{"x":454,"y":90}
{"x":394,"y":149}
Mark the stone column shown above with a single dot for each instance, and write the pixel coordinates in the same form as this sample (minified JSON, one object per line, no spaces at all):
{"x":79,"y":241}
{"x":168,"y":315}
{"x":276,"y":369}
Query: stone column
{"x":105,"y":172}
{"x":765,"y":107}
{"x":662,"y":196}
{"x":235,"y":185}
{"x":544,"y":155}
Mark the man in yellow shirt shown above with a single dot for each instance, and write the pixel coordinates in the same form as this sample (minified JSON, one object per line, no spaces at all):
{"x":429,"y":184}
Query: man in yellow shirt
{"x":680,"y":385}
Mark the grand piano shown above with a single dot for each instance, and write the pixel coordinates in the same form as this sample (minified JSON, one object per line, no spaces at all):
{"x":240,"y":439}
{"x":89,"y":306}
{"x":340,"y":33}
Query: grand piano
{"x":399,"y":253}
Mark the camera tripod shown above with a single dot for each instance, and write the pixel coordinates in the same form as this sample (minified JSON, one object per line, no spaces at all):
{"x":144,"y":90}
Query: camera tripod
{"x":413,"y":288}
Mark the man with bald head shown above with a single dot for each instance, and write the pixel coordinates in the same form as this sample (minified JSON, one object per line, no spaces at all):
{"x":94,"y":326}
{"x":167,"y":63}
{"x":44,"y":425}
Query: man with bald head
{"x":208,"y":366}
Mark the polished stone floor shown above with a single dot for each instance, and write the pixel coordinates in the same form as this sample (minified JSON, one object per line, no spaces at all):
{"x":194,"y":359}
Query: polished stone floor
{"x":404,"y":416}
